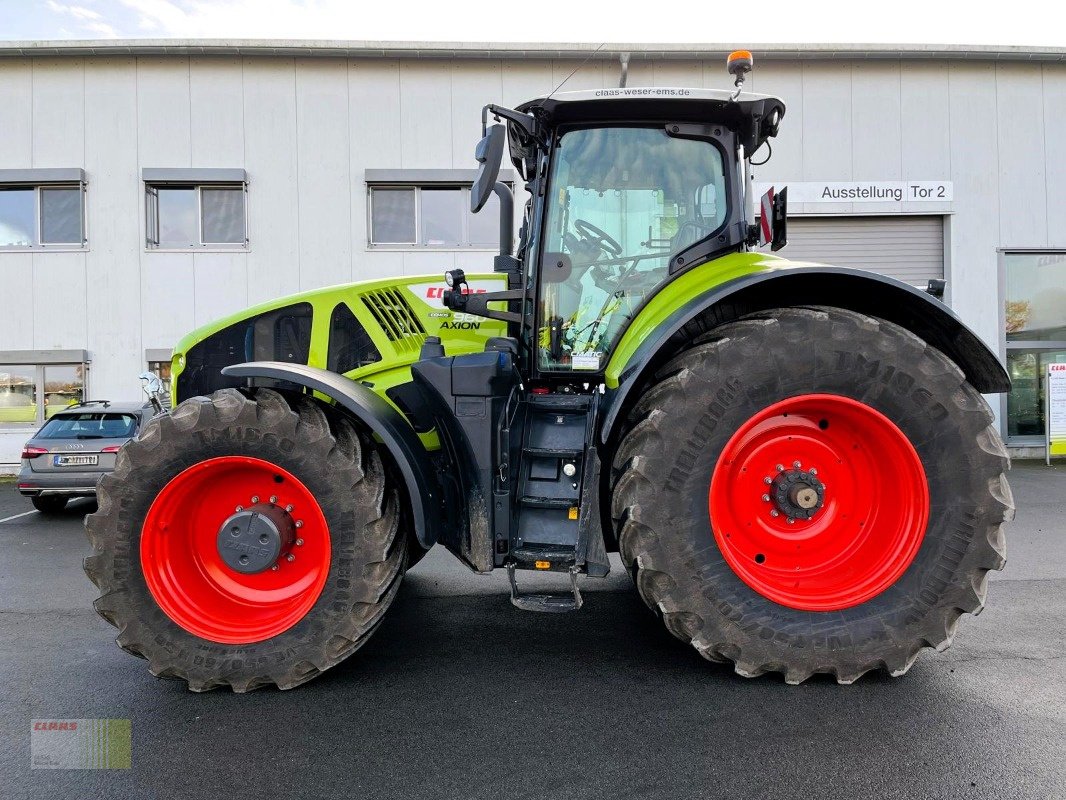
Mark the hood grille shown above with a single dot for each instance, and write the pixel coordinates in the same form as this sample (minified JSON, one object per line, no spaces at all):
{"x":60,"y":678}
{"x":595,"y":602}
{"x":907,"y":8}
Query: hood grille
{"x":395,"y":317}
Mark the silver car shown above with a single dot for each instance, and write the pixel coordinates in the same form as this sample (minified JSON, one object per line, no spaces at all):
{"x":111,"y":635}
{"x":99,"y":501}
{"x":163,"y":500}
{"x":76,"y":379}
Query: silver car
{"x":77,"y":445}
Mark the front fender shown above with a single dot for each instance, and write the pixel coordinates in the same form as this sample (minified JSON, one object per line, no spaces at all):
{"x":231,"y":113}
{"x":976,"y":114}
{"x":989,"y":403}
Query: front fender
{"x":786,"y":284}
{"x":399,"y":439}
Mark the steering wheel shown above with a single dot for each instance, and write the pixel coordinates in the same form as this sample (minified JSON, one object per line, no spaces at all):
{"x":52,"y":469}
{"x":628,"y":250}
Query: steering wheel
{"x":600,"y":238}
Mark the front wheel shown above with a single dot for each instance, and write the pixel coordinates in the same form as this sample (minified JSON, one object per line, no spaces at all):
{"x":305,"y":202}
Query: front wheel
{"x":834,"y":495}
{"x":246,"y":541}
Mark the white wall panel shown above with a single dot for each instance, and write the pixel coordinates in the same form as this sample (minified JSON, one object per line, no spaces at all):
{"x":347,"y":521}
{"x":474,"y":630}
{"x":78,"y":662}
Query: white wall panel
{"x":113,"y":270}
{"x":59,"y":306}
{"x":163,"y":113}
{"x":58,"y":112}
{"x":472,"y":86}
{"x":431,"y":262}
{"x":572,"y":76}
{"x":425,"y":114}
{"x":16,"y":114}
{"x":168,"y":289}
{"x":270,"y":154}
{"x":324,"y":174}
{"x":826,"y":127}
{"x":682,"y":74}
{"x":220,"y":282}
{"x":876,"y":151}
{"x":1054,"y":78}
{"x":16,"y":283}
{"x":641,"y":73}
{"x":1022,"y":204}
{"x":925,"y":128}
{"x":975,"y":172}
{"x":216,"y":112}
{"x":526,"y":80}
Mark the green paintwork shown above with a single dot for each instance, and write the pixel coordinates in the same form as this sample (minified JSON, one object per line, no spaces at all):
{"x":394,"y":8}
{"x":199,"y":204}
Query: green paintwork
{"x":422,"y":293}
{"x":677,"y":293}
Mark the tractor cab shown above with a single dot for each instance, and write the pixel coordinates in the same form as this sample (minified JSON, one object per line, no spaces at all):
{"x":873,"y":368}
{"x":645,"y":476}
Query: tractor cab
{"x":628,"y":189}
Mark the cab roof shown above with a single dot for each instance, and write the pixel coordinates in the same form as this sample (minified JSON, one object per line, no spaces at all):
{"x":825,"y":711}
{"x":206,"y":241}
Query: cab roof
{"x":751,"y":115}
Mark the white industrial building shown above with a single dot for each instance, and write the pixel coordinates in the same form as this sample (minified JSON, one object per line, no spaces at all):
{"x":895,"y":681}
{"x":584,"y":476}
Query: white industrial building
{"x":148,"y":187}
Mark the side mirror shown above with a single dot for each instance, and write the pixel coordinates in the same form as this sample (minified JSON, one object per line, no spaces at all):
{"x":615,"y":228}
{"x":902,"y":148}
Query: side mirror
{"x":489,"y":154}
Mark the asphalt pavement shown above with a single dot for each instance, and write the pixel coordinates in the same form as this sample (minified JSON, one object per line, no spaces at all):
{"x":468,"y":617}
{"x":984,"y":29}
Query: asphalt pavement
{"x":459,"y":695}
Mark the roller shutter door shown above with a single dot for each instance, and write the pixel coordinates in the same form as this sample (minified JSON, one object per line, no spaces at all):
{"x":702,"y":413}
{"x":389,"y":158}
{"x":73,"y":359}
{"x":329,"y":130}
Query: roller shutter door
{"x":910,"y":248}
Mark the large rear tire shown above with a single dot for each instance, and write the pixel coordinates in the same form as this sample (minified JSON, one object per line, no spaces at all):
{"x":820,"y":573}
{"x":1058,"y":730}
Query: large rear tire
{"x":811,"y":491}
{"x":160,"y":544}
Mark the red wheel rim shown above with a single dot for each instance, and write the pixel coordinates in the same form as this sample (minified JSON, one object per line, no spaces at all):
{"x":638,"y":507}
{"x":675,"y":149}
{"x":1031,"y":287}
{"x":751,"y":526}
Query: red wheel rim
{"x":868,"y":481}
{"x":192,"y":583}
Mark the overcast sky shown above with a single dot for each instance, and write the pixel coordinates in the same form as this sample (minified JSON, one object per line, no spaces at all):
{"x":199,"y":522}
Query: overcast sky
{"x":698,"y":21}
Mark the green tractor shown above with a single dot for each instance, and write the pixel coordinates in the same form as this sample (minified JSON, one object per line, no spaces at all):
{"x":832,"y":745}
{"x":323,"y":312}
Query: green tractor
{"x":794,"y":461}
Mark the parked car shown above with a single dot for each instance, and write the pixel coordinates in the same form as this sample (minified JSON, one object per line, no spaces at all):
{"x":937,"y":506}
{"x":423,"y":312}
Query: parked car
{"x":77,"y":445}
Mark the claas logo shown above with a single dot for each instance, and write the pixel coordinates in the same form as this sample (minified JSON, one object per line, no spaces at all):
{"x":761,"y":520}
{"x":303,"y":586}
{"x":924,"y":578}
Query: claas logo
{"x":437,"y":292}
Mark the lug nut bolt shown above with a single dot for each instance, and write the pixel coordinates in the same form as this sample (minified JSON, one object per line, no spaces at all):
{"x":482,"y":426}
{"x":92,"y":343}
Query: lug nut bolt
{"x":240,"y":509}
{"x":767,"y":481}
{"x":273,"y":499}
{"x":775,"y":514}
{"x":299,"y":523}
{"x":274,"y":568}
{"x":290,"y":557}
{"x":791,"y":521}
{"x":255,"y":499}
{"x":289,"y":508}
{"x":796,"y":464}
{"x":780,"y":468}
{"x":813,"y":471}
{"x":766,"y":498}
{"x":299,"y":542}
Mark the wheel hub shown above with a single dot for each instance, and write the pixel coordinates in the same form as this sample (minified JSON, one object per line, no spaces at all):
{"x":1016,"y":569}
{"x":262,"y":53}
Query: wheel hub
{"x":252,"y":540}
{"x":797,"y":493}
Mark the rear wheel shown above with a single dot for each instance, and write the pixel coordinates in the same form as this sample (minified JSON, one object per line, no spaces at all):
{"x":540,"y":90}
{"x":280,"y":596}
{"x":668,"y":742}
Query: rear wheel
{"x":49,"y":503}
{"x":835,"y":495}
{"x":246,"y":541}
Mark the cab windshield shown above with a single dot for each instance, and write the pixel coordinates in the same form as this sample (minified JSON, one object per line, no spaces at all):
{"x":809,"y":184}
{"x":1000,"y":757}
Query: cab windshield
{"x":621,"y":203}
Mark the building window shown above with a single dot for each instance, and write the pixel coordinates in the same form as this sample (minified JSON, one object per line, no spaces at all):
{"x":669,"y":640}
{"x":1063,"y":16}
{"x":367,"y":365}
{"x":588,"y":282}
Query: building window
{"x":1035,"y":324}
{"x":42,"y":216}
{"x":181,"y":217}
{"x":32,"y":393}
{"x":431,"y":216}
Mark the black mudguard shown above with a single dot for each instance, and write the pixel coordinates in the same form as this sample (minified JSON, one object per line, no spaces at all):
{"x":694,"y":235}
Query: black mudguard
{"x":853,"y":289}
{"x":411,"y":458}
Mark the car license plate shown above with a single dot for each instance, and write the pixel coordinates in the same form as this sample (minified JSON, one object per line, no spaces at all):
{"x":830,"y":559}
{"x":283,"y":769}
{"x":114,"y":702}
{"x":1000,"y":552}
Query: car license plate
{"x":75,"y":461}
